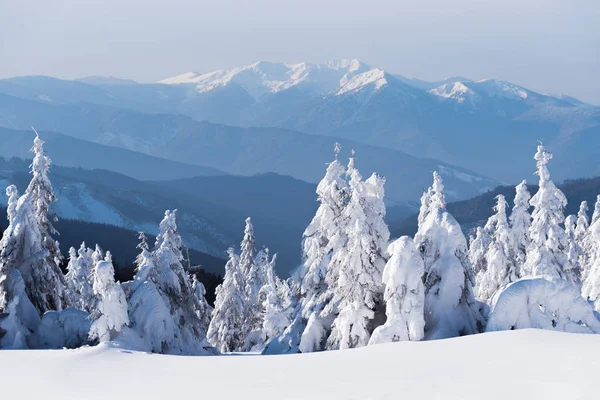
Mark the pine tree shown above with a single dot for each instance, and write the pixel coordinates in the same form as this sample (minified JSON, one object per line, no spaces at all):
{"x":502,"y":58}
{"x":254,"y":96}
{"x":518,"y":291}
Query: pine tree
{"x":225,"y":330}
{"x":162,"y":307}
{"x":450,"y":306}
{"x":42,"y":196}
{"x":276,"y":303}
{"x":321,"y":239}
{"x":574,"y":251}
{"x":79,"y":278}
{"x":585,"y":239}
{"x":547,"y":253}
{"x":404,"y":294}
{"x":520,"y":222}
{"x":175,"y":284}
{"x":109,"y":315}
{"x":149,"y":314}
{"x":22,"y":248}
{"x":501,"y":269}
{"x":357,"y":288}
{"x":478,"y":249}
{"x":202,"y":308}
{"x":254,"y":338}
{"x":596,"y":214}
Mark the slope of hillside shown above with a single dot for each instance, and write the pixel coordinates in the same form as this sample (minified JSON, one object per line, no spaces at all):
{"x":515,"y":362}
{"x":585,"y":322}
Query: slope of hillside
{"x":517,"y":365}
{"x":243,"y":151}
{"x":71,"y":152}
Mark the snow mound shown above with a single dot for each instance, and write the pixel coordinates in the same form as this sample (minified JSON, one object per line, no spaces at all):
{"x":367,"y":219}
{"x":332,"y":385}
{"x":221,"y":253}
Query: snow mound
{"x":526,"y":364}
{"x":542,"y":302}
{"x":67,"y":328}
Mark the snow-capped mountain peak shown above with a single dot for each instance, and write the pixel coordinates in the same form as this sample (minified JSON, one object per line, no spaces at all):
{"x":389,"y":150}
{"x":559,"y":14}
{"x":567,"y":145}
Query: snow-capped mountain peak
{"x":457,"y":91}
{"x":338,"y":76}
{"x":502,"y":89}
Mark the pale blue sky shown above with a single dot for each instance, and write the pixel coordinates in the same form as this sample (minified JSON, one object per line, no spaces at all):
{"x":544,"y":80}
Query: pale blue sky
{"x":546,"y":45}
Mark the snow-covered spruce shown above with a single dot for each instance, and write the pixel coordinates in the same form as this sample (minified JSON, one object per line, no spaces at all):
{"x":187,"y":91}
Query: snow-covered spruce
{"x":520,"y":222}
{"x":321,"y":239}
{"x":203,"y":309}
{"x":500,"y":269}
{"x":478,"y":247}
{"x":79,"y":278}
{"x":225,"y":330}
{"x":404,"y":294}
{"x":276,"y":303}
{"x":41,"y":194}
{"x":354,"y":276}
{"x":450,"y":306}
{"x":161,"y":306}
{"x":547,"y":252}
{"x":574,"y":250}
{"x":254,"y":338}
{"x":109,"y":314}
{"x":543,"y":302}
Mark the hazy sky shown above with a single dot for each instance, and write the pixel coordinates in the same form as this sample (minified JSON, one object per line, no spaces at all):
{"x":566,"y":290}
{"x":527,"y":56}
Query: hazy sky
{"x":546,"y":45}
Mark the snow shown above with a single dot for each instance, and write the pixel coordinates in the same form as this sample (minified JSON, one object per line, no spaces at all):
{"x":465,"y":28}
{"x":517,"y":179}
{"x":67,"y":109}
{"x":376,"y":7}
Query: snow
{"x":526,"y":364}
{"x":457,"y":91}
{"x":338,"y":76}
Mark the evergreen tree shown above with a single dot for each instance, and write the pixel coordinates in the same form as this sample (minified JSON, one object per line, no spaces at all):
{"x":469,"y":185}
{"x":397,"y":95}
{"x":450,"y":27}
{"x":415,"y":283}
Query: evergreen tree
{"x":202,"y":308}
{"x":574,"y":251}
{"x":175,"y":285}
{"x":520,"y":222}
{"x":149,"y":314}
{"x":321,"y":239}
{"x":478,"y":249}
{"x":109,"y":315}
{"x":79,"y":278}
{"x":276,"y":303}
{"x":501,"y":269}
{"x":225,"y":330}
{"x":585,"y":239}
{"x":357,"y":288}
{"x":404,"y":294}
{"x":42,"y":197}
{"x":254,"y":338}
{"x":450,"y":306}
{"x":596,"y":214}
{"x":547,"y":253}
{"x":162,"y":297}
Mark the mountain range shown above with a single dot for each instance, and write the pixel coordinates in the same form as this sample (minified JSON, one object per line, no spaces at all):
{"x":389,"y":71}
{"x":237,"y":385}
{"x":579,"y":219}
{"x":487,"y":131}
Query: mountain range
{"x":489,"y":126}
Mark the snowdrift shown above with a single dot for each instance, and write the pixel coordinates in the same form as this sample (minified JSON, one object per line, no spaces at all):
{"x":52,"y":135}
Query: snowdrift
{"x":525,"y":364}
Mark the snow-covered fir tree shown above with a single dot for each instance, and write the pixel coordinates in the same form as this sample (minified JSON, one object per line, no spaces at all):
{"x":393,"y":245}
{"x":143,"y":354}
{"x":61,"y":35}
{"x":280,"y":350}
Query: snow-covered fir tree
{"x":13,"y":198}
{"x":585,"y":239}
{"x":520,"y":222}
{"x":79,"y":278}
{"x":149,"y":314}
{"x":175,"y":285}
{"x":404,"y":294}
{"x":596,"y":214}
{"x":501,"y":269}
{"x":478,"y":248}
{"x":276,"y":303}
{"x":203,"y":309}
{"x":225,"y":330}
{"x":574,"y":250}
{"x":161,"y":307}
{"x":450,"y":305}
{"x":547,"y":252}
{"x":322,"y":238}
{"x":109,"y":314}
{"x":22,"y":248}
{"x":254,"y":337}
{"x":42,"y":197}
{"x":355,"y":278}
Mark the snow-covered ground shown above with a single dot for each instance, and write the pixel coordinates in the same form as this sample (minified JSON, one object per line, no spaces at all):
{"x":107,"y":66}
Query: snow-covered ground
{"x":526,"y":364}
